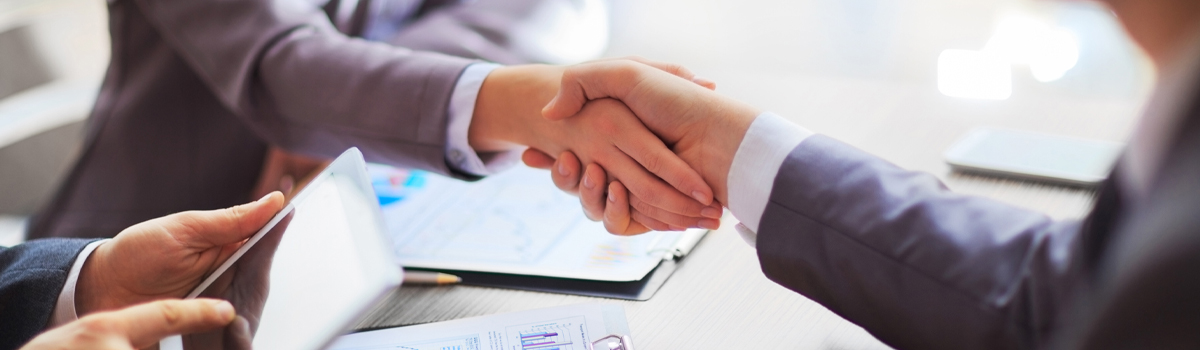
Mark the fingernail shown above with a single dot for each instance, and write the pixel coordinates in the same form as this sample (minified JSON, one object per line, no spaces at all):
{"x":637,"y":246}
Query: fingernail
{"x":264,"y":198}
{"x":700,"y":197}
{"x":587,"y":182}
{"x":223,"y":308}
{"x":710,"y":224}
{"x":702,"y":81}
{"x":710,"y":212}
{"x":562,"y":169}
{"x":612,"y":197}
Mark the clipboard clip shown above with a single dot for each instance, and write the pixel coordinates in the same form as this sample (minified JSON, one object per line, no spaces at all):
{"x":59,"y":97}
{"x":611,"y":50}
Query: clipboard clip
{"x":612,"y":342}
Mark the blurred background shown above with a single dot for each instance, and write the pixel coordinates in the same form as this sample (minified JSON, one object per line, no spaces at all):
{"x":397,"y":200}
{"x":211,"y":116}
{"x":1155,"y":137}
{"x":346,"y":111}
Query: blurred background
{"x":901,"y":78}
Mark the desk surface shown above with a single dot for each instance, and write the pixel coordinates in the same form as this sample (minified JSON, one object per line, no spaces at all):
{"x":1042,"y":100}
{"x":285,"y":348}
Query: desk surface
{"x":865,"y":72}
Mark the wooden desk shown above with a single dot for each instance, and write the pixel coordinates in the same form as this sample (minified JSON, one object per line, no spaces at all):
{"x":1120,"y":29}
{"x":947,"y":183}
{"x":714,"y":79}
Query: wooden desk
{"x":864,"y":72}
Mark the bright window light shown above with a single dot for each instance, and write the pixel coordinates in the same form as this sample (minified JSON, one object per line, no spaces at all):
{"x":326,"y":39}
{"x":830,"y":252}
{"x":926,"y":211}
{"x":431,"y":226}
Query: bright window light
{"x":1049,"y":51}
{"x":974,"y":74}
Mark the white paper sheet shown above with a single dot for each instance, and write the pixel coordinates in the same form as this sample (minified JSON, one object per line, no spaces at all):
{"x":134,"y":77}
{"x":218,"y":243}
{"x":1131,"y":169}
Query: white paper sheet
{"x":515,"y":222}
{"x":558,"y":328}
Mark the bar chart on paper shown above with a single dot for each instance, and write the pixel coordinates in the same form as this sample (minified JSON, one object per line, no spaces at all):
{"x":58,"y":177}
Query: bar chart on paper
{"x":553,"y":335}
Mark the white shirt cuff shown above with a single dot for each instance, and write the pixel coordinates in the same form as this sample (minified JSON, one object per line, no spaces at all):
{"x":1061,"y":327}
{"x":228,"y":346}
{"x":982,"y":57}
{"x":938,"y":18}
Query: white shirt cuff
{"x":64,"y":309}
{"x":459,"y":153}
{"x":752,"y":175}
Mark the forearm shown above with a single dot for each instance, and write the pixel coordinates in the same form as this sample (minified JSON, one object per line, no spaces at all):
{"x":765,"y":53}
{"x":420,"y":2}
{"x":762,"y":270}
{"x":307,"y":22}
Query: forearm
{"x":915,"y":264}
{"x":301,"y":85}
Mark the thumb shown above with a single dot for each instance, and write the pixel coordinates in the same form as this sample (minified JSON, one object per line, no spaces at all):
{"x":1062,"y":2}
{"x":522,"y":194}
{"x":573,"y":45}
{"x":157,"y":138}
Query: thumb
{"x":608,"y":78}
{"x":144,"y":325}
{"x":224,"y":226}
{"x":537,"y":159}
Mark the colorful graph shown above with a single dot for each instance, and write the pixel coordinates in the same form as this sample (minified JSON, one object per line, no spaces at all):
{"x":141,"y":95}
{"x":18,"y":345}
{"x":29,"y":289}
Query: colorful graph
{"x":556,"y":335}
{"x":393,"y":185}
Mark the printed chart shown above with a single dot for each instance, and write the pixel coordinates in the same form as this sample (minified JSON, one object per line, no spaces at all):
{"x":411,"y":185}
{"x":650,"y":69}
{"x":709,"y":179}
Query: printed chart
{"x":553,"y":335}
{"x":515,"y":222}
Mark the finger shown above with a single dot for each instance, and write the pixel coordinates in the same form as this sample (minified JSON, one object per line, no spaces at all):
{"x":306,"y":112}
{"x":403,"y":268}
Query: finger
{"x":675,"y":221}
{"x":650,"y":223}
{"x":537,"y":159}
{"x":592,"y":195}
{"x":649,"y":151}
{"x":146,"y":324}
{"x":225,"y":226}
{"x":566,"y":174}
{"x":672,"y":68}
{"x":238,"y":335}
{"x":650,"y":188}
{"x":617,"y":218}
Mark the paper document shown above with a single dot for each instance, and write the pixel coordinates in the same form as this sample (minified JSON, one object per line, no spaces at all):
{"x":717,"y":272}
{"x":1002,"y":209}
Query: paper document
{"x":558,"y":328}
{"x":515,"y":222}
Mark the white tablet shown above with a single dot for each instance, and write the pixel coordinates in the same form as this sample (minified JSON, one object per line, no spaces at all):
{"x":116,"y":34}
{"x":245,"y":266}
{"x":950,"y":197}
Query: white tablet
{"x":312,"y":271}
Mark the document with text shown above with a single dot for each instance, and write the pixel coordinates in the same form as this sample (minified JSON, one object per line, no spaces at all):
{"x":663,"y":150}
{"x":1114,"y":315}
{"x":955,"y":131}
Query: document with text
{"x":515,"y":222}
{"x":557,"y":328}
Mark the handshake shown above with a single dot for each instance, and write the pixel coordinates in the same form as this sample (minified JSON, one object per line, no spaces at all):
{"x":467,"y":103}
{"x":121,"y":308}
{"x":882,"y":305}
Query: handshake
{"x":645,"y":145}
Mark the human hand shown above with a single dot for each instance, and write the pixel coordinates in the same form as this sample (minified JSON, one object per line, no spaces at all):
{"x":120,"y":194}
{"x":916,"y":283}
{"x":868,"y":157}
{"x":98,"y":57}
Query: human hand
{"x":136,"y":327}
{"x":704,"y":128}
{"x":600,"y":121}
{"x":286,"y":172}
{"x":167,"y":257}
{"x":246,"y":285}
{"x":508,"y":113}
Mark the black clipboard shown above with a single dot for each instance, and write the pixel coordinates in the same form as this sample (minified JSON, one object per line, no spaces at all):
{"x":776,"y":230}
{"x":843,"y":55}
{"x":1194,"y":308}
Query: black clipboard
{"x":640,"y":290}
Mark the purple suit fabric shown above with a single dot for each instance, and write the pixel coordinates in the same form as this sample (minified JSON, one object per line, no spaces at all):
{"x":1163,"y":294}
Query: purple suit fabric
{"x":197,"y":90}
{"x":920,"y":267}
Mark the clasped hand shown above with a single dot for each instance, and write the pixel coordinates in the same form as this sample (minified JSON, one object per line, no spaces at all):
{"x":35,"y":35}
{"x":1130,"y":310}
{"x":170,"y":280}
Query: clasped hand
{"x":702,"y":128}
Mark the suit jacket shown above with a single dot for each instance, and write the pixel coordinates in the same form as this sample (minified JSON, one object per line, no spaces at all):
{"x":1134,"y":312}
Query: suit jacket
{"x":31,"y":277}
{"x":923,"y":268}
{"x":196,"y":90}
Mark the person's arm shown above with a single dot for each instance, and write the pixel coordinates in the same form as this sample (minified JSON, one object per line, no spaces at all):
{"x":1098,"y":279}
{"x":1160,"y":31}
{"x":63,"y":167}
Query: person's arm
{"x":31,"y":276}
{"x":891,"y":250}
{"x":897,"y":253}
{"x":305,"y":87}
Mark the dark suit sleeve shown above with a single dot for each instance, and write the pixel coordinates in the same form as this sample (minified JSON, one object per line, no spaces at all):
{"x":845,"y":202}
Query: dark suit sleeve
{"x":31,"y":277}
{"x":916,"y":265}
{"x":302,"y":85}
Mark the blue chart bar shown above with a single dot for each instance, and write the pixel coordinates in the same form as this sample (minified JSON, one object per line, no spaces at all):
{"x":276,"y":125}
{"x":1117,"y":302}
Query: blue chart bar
{"x":543,"y":340}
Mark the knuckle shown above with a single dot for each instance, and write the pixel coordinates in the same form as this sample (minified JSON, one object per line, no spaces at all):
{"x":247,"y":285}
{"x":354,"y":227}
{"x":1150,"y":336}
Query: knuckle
{"x":644,"y":208}
{"x":171,"y":313}
{"x":95,"y":325}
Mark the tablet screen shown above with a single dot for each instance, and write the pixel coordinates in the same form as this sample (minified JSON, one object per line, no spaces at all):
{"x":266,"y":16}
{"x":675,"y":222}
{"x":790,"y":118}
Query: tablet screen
{"x":309,"y":276}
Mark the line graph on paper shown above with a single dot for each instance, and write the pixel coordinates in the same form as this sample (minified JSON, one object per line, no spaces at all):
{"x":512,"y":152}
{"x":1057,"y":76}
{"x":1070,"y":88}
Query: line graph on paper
{"x":514,"y":222}
{"x":554,"y":335}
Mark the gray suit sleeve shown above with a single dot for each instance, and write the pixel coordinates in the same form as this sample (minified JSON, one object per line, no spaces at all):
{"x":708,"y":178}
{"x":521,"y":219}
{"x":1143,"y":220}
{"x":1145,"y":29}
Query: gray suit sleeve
{"x":31,"y":277}
{"x":304,"y":86}
{"x":916,"y":265}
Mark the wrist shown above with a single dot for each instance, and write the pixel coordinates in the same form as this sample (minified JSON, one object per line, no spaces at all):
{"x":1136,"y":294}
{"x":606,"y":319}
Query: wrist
{"x":508,"y":108}
{"x":94,"y":290}
{"x":721,"y":136}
